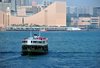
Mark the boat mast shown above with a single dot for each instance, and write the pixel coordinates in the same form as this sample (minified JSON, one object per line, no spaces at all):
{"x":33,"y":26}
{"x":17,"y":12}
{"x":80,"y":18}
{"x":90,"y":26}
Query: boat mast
{"x":39,"y":33}
{"x":30,"y":31}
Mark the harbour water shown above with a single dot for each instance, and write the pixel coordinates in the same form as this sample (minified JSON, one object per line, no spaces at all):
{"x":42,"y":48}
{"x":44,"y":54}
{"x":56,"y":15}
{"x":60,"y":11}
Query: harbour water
{"x":73,"y":49}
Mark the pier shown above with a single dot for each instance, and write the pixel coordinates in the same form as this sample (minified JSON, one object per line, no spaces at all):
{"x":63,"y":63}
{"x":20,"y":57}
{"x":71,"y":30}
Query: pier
{"x":63,"y":28}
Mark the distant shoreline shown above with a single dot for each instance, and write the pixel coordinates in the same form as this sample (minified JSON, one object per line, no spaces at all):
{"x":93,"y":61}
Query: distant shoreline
{"x":54,"y":30}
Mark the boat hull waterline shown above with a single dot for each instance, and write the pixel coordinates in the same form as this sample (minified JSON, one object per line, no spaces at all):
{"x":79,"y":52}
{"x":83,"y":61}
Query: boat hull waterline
{"x":26,"y":49}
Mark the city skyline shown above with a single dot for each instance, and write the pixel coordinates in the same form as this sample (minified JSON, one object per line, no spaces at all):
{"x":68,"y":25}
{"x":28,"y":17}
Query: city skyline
{"x":78,"y":3}
{"x":25,"y":13}
{"x":49,"y":16}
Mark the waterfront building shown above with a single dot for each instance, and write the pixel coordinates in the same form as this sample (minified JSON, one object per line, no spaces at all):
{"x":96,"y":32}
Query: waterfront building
{"x":95,"y":21}
{"x":8,"y":13}
{"x":85,"y":21}
{"x":53,"y":15}
{"x":30,"y":10}
{"x":84,"y":15}
{"x":21,"y":12}
{"x":36,"y":9}
{"x":74,"y":21}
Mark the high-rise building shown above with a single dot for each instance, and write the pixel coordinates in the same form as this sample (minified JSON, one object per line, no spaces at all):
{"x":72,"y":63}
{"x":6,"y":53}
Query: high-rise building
{"x":47,"y":2}
{"x":6,"y":1}
{"x":13,"y":5}
{"x":19,"y":2}
{"x":85,"y":10}
{"x":96,"y":11}
{"x":72,"y":11}
{"x":3,"y":6}
{"x":22,"y":2}
{"x":26,"y":2}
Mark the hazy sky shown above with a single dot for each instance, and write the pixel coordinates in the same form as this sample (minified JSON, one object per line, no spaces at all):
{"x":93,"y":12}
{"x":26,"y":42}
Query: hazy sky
{"x":79,"y":3}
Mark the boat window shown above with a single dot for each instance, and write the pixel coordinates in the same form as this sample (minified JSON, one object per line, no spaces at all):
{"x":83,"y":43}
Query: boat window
{"x":36,"y":41}
{"x":43,"y":41}
{"x":33,"y":41}
{"x":40,"y":42}
{"x":24,"y":41}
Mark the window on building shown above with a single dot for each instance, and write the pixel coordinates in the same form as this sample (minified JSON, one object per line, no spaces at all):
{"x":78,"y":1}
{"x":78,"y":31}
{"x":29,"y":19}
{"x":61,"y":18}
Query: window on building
{"x":94,"y":23}
{"x":82,"y":21}
{"x":94,"y":19}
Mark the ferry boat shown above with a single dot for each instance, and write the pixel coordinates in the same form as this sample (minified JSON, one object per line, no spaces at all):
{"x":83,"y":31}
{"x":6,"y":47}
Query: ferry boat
{"x":35,"y":45}
{"x":43,"y":30}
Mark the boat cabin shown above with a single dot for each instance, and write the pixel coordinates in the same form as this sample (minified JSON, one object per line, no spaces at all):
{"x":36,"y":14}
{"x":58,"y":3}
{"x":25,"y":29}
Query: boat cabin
{"x":34,"y":40}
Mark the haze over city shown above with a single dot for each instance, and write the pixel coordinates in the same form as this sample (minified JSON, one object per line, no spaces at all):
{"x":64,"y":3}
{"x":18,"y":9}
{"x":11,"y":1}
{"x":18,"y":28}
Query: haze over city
{"x":82,"y":14}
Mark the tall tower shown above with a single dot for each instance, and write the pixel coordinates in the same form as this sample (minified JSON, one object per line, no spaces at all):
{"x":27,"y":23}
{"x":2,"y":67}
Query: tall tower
{"x":7,"y":24}
{"x":13,"y":5}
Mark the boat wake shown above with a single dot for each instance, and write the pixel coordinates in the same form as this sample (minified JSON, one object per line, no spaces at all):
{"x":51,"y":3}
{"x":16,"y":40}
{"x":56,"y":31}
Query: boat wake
{"x":9,"y":52}
{"x":10,"y":58}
